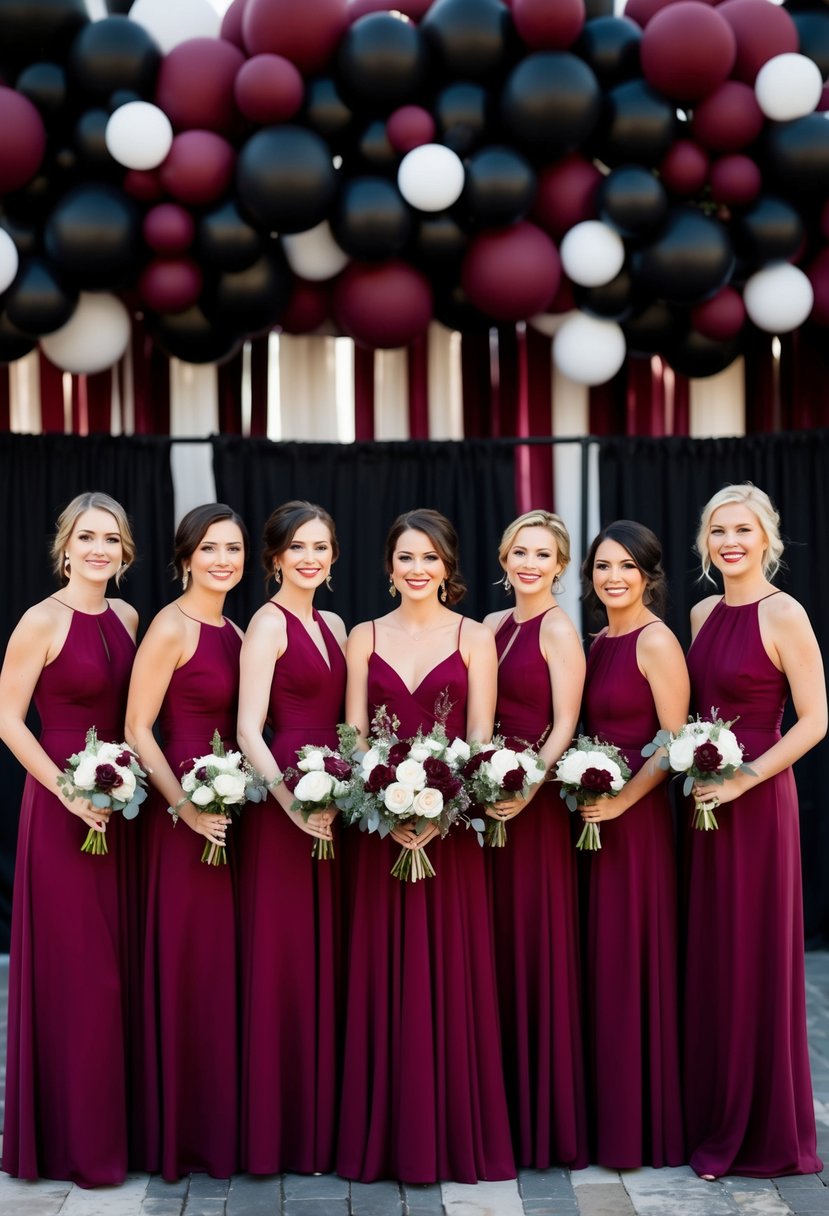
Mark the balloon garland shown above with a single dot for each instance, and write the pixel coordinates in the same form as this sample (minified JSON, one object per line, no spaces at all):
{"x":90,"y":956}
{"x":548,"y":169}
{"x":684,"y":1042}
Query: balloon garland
{"x":653,"y":183}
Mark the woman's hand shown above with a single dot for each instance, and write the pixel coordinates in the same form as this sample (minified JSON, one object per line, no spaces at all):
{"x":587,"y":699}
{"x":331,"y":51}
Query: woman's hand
{"x":717,"y":794}
{"x":317,"y":824}
{"x":410,"y":838}
{"x":95,"y":817}
{"x":205,"y":823}
{"x":510,"y":807}
{"x":601,"y":809}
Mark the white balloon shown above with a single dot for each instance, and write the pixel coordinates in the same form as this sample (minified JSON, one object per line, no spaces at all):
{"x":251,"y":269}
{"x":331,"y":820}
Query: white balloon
{"x":9,"y":260}
{"x":778,"y":298}
{"x":170,"y":22}
{"x":588,"y":350}
{"x":314,"y":254}
{"x":138,"y":135}
{"x":788,"y":86}
{"x":592,"y":253}
{"x":94,"y":337}
{"x":431,"y":177}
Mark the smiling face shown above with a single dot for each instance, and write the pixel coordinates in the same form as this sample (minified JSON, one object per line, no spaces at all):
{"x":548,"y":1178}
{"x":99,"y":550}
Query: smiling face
{"x":218,"y":560}
{"x":94,"y":548}
{"x":617,"y":580}
{"x":307,"y":560}
{"x":417,"y":569}
{"x":736,"y":540}
{"x":532,"y":561}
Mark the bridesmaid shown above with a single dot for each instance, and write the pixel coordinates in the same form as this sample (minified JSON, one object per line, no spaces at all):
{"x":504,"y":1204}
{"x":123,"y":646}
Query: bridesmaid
{"x":423,"y":1091}
{"x":748,"y":1092}
{"x":533,"y":879}
{"x":293,"y":675}
{"x":186,"y":675}
{"x":636,"y":684}
{"x":66,"y":1105}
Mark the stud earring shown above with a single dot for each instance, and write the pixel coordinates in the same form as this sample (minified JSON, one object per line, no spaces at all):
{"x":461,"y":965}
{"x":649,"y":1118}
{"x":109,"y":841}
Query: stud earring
{"x":443,"y":593}
{"x":392,"y":588}
{"x":185,"y":579}
{"x":277,"y":574}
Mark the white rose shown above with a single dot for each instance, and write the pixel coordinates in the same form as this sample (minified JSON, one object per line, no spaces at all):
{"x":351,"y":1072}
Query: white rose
{"x":681,"y":753}
{"x":610,"y":766}
{"x":434,"y":745}
{"x":315,"y":786}
{"x":410,"y":773}
{"x":369,"y":761}
{"x":188,"y":783}
{"x":230,"y":787}
{"x":340,"y":788}
{"x":728,"y":747}
{"x":229,"y":763}
{"x":534,"y":769}
{"x":571,"y":766}
{"x":419,"y":752}
{"x":108,"y":753}
{"x":458,"y":750}
{"x":398,"y":798}
{"x":84,"y":776}
{"x":203,"y":796}
{"x":428,"y":803}
{"x":126,"y":789}
{"x":502,"y":762}
{"x":313,"y":762}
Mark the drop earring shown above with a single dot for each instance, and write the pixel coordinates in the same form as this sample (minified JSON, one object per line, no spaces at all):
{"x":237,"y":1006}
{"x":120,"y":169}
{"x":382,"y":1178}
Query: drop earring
{"x":328,"y":582}
{"x":277,"y":574}
{"x":507,"y":584}
{"x":392,"y":588}
{"x":443,"y":593}
{"x":185,"y":579}
{"x":67,"y":569}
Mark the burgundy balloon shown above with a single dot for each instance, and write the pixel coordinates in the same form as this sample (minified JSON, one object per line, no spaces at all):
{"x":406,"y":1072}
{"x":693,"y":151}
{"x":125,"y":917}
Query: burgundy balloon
{"x":566,"y":194}
{"x":687,"y":50}
{"x":762,"y":30}
{"x":386,"y":306}
{"x":307,"y":308}
{"x":170,"y":284}
{"x":729,"y":118}
{"x":22,"y":140}
{"x":823,"y":104}
{"x":722,"y":317}
{"x":684,"y":169}
{"x":548,"y":26}
{"x":198,"y":168}
{"x":512,"y":273}
{"x":269,"y":88}
{"x":735,"y":179}
{"x":641,"y":11}
{"x":169,"y":228}
{"x":143,"y":184}
{"x":410,"y":127}
{"x":563,"y":300}
{"x":194,"y":86}
{"x":231,"y":28}
{"x":818,"y":272}
{"x":307,"y":34}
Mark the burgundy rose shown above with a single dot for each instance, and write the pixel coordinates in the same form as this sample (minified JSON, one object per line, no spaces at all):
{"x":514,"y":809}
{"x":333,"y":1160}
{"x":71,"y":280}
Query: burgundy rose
{"x":474,"y":762}
{"x":379,"y":777}
{"x":125,"y":759}
{"x":398,"y":752}
{"x":514,"y":779}
{"x":440,"y":777}
{"x":597,"y":779}
{"x":201,"y":774}
{"x":107,"y":777}
{"x":335,"y":766}
{"x":707,"y":758}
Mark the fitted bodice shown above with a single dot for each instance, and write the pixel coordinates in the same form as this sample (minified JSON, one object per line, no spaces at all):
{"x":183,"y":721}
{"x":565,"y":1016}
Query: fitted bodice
{"x":524,"y":710}
{"x":618,"y":703}
{"x":415,"y":708}
{"x":203,"y":693}
{"x":306,"y":700}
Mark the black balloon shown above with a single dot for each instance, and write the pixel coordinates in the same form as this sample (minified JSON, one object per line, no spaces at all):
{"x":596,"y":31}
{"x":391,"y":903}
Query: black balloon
{"x":45,"y":85}
{"x":797,"y":156}
{"x":13,"y":343}
{"x":613,"y":301}
{"x":691,"y":259}
{"x":638,"y":125}
{"x":453,"y":309}
{"x":610,"y":45}
{"x":121,"y":97}
{"x":285,"y":179}
{"x":95,"y":233}
{"x":382,"y":63}
{"x":29,"y":26}
{"x":813,"y":35}
{"x":371,"y":222}
{"x":112,"y":54}
{"x":632,"y":200}
{"x":191,"y":336}
{"x":226,"y":241}
{"x":36,"y":302}
{"x":771,"y":230}
{"x":697,"y":356}
{"x":470,"y":39}
{"x":325,"y":112}
{"x":550,"y":103}
{"x":251,"y":300}
{"x":439,"y":244}
{"x":372,"y":151}
{"x":25,"y":235}
{"x":89,"y":140}
{"x":463,"y":116}
{"x":499,"y":188}
{"x":651,"y":328}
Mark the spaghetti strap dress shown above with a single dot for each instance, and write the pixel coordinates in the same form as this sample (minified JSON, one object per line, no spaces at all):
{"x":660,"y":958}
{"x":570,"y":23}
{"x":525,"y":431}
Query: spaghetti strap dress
{"x":290,"y":926}
{"x":423,"y":1095}
{"x":533,"y":889}
{"x":190,"y":966}
{"x":66,"y":1070}
{"x":748,"y":1090}
{"x":632,"y":1001}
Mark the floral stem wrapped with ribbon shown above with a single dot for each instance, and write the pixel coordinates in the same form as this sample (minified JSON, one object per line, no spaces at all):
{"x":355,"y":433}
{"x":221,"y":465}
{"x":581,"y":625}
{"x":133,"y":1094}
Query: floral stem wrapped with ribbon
{"x":220,"y":783}
{"x":109,"y":775}
{"x":589,"y":770}
{"x":322,"y":777}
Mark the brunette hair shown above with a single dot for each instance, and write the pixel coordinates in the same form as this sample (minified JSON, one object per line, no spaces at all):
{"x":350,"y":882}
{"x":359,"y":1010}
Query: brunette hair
{"x":68,"y":518}
{"x":645,"y":550}
{"x":538,"y":519}
{"x":759,"y":503}
{"x":443,"y":536}
{"x":282,"y":525}
{"x":194,"y":525}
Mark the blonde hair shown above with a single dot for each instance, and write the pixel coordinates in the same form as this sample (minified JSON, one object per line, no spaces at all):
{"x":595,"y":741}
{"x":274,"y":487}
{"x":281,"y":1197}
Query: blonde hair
{"x":538,"y":519}
{"x":760,"y":505}
{"x":68,"y":518}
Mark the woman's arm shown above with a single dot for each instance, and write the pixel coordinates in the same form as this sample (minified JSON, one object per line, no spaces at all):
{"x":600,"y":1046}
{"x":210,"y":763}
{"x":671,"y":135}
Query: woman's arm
{"x":481,"y":658}
{"x":357,"y":653}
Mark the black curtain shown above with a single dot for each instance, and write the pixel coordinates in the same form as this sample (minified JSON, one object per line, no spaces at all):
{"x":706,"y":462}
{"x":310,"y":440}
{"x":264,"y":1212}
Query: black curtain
{"x":664,"y":483}
{"x":39,"y":475}
{"x":365,"y":486}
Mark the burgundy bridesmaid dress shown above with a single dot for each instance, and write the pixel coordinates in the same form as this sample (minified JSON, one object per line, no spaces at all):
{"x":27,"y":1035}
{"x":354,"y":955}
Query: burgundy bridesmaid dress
{"x":632,"y":1004}
{"x":290,"y":926}
{"x":748,"y":1090}
{"x":535,"y":926}
{"x":66,"y":1106}
{"x":190,"y":964}
{"x":423,"y":1094}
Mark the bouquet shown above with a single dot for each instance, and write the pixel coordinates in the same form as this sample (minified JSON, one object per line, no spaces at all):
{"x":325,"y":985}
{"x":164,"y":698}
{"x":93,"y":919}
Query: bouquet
{"x":109,"y":775}
{"x":220,"y":783}
{"x":705,"y":749}
{"x":322,"y":776}
{"x":410,"y":780}
{"x":589,"y":770}
{"x":495,"y":772}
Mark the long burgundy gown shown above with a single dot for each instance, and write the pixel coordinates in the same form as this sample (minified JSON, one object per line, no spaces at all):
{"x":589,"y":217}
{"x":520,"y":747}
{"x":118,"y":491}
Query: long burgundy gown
{"x":632,"y":1003}
{"x":66,"y":1107}
{"x":535,"y":926}
{"x":748,"y":1090}
{"x":423,"y":1090}
{"x":190,"y":965}
{"x":290,"y":926}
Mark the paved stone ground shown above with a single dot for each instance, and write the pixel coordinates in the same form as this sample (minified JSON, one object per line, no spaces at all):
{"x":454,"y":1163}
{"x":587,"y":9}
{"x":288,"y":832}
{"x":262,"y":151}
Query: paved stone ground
{"x":590,"y":1192}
